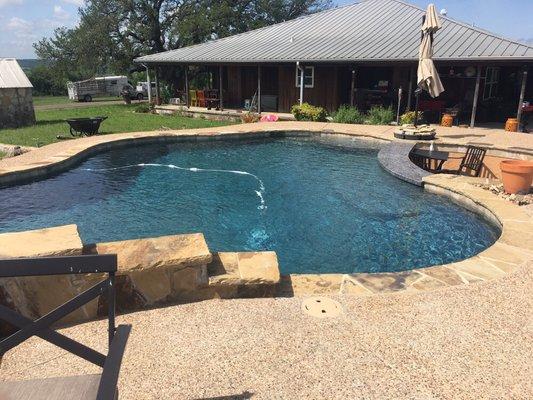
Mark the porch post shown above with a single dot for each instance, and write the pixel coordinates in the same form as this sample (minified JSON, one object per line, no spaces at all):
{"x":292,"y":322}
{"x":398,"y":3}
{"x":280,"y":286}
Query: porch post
{"x":149,"y":85}
{"x":352,"y":88}
{"x":302,"y":73}
{"x":187,"y":86}
{"x":521,"y":99}
{"x":259,"y":89}
{"x":410,"y":91}
{"x":476,"y":95}
{"x":220,"y":87}
{"x":157,"y":95}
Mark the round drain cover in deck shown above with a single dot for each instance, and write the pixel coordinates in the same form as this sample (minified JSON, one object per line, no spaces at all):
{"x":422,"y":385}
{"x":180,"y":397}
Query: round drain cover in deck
{"x":321,"y":307}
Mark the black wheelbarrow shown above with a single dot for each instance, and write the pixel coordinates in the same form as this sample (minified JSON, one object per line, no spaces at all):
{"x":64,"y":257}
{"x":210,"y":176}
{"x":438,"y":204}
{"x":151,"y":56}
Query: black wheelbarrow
{"x":85,"y":126}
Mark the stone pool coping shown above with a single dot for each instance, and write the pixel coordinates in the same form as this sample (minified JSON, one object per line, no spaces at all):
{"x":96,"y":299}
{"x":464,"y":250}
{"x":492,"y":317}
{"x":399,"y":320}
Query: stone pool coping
{"x":514,"y":246}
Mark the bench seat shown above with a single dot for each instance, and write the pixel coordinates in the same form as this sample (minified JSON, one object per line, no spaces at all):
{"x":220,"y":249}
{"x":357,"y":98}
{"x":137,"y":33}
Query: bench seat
{"x":70,"y":387}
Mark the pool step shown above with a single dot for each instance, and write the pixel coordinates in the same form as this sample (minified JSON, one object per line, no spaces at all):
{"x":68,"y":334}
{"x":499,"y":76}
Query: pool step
{"x":243,"y":274}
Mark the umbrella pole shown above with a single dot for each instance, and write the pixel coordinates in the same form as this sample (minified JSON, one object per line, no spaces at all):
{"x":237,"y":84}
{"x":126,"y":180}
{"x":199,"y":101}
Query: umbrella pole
{"x":399,"y":104}
{"x":417,"y":95}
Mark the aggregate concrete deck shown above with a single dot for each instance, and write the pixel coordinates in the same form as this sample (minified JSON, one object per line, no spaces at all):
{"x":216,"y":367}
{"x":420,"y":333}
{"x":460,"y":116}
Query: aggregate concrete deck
{"x":467,"y":342}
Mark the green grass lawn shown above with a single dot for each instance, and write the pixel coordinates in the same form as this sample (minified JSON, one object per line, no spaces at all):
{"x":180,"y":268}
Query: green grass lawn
{"x":121,"y":118}
{"x":49,"y":100}
{"x":58,"y":100}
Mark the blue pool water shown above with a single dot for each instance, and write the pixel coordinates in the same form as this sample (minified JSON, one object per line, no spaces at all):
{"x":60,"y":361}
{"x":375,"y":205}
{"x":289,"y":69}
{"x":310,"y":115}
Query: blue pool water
{"x":322,"y":205}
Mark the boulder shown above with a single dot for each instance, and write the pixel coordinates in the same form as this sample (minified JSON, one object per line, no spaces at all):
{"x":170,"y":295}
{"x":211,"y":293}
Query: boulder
{"x":161,"y":269}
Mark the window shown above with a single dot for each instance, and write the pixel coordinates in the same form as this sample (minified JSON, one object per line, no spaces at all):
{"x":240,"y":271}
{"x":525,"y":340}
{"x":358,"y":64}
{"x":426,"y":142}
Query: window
{"x":492,"y":78}
{"x":309,"y":77}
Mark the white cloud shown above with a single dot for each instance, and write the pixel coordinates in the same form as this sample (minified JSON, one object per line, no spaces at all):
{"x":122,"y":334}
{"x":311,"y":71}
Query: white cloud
{"x":9,"y":2}
{"x":16,"y":37}
{"x":18,"y":25}
{"x":60,"y":13}
{"x":78,"y":3}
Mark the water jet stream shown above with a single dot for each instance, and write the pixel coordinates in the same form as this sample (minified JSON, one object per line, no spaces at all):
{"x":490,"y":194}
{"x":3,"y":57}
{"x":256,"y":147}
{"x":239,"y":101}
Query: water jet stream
{"x":259,"y":192}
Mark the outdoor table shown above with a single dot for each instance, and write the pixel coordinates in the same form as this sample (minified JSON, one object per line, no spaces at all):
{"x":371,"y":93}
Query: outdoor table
{"x":424,"y":159}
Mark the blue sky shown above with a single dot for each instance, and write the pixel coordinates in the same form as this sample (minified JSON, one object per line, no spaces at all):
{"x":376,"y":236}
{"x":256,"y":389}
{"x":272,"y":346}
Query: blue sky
{"x":22,"y":22}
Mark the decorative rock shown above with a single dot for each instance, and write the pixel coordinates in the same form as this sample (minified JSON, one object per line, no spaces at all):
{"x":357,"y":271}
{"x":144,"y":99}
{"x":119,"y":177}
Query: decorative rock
{"x":163,"y":268}
{"x":245,"y":274}
{"x":259,"y":267}
{"x":128,"y":298}
{"x":35,"y":296}
{"x":247,"y":268}
{"x":165,"y":251}
{"x":60,"y":240}
{"x":519,"y":199}
{"x":153,"y":285}
{"x":13,"y":151}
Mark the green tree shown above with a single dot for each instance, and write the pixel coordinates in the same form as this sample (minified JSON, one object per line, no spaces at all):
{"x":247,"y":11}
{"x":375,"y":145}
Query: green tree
{"x":111,"y":33}
{"x":45,"y":82}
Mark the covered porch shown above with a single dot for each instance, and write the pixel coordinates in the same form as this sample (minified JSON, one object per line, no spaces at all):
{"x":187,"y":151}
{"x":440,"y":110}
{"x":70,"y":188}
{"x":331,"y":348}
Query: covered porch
{"x":476,"y":93}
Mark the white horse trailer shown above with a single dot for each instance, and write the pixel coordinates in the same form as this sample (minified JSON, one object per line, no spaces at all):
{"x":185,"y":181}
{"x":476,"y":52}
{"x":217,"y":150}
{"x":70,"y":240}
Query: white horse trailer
{"x":100,"y":86}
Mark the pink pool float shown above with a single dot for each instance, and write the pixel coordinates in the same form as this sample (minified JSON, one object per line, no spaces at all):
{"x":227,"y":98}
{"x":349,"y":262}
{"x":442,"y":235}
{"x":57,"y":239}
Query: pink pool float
{"x":269,"y":118}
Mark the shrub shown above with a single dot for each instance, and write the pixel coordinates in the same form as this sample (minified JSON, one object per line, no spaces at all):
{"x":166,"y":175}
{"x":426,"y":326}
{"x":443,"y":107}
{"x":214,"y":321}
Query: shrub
{"x":379,"y":115}
{"x":348,"y":115}
{"x":166,"y":94}
{"x":142,"y":108}
{"x":249,"y":117}
{"x":409,"y":117}
{"x":307,"y":112}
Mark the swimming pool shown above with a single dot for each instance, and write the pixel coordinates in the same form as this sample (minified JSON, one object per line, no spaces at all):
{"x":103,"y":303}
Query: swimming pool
{"x":324,"y":205}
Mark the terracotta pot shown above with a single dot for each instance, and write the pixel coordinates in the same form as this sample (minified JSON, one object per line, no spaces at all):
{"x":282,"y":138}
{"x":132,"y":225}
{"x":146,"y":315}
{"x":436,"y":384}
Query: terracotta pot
{"x":517,"y":175}
{"x":447,"y":120}
{"x":511,"y":125}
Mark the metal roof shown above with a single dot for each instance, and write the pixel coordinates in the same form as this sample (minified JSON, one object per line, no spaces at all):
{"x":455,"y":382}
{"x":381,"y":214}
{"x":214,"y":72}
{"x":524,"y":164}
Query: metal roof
{"x":371,"y":30}
{"x":11,"y":75}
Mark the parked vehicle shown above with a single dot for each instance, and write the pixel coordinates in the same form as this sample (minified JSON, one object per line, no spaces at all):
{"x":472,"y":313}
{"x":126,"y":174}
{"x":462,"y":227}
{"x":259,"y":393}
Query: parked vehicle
{"x":99,"y":86}
{"x":141,"y":91}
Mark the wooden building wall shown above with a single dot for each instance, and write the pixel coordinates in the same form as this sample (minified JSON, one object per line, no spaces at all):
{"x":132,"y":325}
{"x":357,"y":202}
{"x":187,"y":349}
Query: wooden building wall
{"x":324,"y":93}
{"x":332,"y":84}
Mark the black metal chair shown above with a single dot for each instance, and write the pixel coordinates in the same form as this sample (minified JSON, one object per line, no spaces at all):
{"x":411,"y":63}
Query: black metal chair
{"x":470,"y":164}
{"x":97,"y":386}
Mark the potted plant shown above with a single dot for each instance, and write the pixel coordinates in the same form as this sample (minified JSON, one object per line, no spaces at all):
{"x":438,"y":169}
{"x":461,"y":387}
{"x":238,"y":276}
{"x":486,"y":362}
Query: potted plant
{"x":517,"y":175}
{"x":249,"y":117}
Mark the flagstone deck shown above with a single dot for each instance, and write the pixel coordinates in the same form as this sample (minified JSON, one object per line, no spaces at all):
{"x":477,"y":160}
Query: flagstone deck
{"x":58,"y":156}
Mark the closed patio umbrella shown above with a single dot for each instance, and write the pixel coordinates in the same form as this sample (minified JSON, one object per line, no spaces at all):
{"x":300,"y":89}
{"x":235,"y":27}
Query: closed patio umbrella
{"x":427,"y":76}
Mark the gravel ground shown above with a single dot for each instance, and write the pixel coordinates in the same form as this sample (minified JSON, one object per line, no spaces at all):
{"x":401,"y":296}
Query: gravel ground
{"x":466,"y":342}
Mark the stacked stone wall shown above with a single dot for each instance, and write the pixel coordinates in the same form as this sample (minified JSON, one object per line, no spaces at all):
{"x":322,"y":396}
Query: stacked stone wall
{"x":16,"y":108}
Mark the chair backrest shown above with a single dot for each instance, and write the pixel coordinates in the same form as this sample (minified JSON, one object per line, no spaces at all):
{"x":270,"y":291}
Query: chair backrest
{"x":192,"y":94}
{"x":473,"y":160}
{"x":69,"y":265}
{"x":200,"y":95}
{"x":212,"y":93}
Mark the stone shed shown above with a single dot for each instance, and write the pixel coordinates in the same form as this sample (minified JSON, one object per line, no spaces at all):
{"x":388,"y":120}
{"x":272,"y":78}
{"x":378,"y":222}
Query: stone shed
{"x":16,"y":101}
